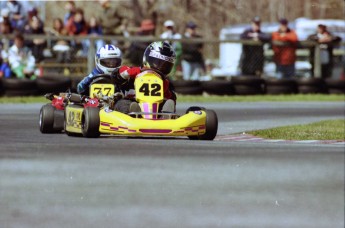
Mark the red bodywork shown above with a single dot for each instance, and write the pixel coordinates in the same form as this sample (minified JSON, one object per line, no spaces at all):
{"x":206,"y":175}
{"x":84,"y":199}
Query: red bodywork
{"x":92,"y":102}
{"x":58,"y":103}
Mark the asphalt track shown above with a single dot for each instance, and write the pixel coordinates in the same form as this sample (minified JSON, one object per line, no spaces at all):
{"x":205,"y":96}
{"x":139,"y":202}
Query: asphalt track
{"x":53,"y":180}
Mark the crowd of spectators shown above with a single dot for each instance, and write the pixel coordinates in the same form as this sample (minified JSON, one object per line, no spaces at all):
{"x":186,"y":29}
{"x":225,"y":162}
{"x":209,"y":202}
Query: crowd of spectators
{"x":113,"y":22}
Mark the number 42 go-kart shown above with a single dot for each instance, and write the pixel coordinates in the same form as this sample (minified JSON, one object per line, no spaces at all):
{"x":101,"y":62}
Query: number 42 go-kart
{"x":94,"y":116}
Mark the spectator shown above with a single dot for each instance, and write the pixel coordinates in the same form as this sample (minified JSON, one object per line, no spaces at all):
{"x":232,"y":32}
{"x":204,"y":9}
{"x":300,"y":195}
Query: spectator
{"x":95,"y":29}
{"x":20,"y":58}
{"x":5,"y":26}
{"x":170,"y":33}
{"x":77,"y":26}
{"x":35,"y":26}
{"x":252,"y":59}
{"x":193,"y":65}
{"x":136,"y":50}
{"x":112,"y":19}
{"x":70,"y":8}
{"x":326,"y":43}
{"x":61,"y":48}
{"x":285,"y":55}
{"x":5,"y":70}
{"x":15,"y":13}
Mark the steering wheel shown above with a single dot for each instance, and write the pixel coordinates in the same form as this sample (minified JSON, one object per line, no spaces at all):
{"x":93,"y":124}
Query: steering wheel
{"x":102,"y":78}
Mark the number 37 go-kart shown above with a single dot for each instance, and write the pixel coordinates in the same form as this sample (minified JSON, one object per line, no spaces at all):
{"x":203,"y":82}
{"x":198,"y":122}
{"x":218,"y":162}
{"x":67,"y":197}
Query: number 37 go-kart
{"x":95,"y":115}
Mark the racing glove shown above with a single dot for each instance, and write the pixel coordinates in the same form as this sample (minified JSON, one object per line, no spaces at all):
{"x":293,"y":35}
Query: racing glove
{"x":122,"y":74}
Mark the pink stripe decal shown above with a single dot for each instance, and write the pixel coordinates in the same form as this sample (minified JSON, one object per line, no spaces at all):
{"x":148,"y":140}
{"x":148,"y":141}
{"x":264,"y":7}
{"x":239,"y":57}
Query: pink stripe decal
{"x":155,"y":110}
{"x":105,"y":124}
{"x":163,"y":131}
{"x":146,"y":109}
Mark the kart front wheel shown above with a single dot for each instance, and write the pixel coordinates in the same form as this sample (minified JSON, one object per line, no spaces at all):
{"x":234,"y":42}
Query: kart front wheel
{"x":90,"y":122}
{"x":46,"y":120}
{"x":211,"y":127}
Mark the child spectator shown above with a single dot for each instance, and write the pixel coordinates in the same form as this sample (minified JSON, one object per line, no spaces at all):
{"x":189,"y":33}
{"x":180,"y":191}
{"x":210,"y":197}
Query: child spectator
{"x":70,"y":8}
{"x":35,"y":26}
{"x":5,"y":70}
{"x":15,"y":13}
{"x":77,"y":26}
{"x":61,"y":48}
{"x":94,"y":29}
{"x":20,"y":58}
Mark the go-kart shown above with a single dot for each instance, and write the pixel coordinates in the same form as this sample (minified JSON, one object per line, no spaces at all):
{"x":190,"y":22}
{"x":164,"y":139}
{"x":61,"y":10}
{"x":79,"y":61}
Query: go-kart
{"x":95,"y":115}
{"x":65,"y":110}
{"x":196,"y":123}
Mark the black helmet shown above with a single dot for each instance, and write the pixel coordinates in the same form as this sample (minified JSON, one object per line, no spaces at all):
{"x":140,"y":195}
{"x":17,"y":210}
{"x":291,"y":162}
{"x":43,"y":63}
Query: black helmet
{"x":159,"y":56}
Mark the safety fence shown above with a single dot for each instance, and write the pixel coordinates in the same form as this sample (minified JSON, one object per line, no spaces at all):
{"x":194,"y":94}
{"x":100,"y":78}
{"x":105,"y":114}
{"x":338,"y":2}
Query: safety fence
{"x":59,"y":76}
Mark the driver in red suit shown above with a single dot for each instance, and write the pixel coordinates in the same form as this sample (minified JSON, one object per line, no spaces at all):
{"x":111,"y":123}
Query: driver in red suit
{"x":159,"y":57}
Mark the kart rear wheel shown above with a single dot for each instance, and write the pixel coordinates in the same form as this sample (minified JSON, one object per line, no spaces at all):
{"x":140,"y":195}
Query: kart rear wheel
{"x":46,"y":119}
{"x":90,"y":122}
{"x":211,"y":127}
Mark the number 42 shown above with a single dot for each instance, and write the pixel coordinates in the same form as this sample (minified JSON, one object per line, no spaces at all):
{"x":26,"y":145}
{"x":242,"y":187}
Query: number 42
{"x":155,"y":89}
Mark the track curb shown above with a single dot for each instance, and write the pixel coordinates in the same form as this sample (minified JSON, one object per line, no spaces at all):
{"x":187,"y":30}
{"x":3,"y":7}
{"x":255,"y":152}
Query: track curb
{"x":253,"y":138}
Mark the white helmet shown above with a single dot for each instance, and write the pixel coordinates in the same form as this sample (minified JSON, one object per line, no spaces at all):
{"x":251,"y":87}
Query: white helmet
{"x":108,"y":58}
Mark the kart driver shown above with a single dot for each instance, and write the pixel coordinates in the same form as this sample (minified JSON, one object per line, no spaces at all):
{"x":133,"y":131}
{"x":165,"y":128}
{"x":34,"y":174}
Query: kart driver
{"x":160,"y":57}
{"x":107,"y":59}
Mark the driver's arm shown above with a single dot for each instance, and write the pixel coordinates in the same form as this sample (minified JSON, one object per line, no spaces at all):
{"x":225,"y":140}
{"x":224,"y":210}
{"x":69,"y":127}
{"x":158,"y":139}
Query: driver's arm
{"x":122,"y":74}
{"x":84,"y":84}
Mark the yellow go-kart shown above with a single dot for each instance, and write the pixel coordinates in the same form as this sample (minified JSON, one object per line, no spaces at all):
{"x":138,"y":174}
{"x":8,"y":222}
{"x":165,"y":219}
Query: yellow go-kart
{"x":196,"y":123}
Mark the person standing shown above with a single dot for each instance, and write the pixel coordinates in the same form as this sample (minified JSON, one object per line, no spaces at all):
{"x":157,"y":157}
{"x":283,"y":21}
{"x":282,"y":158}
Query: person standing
{"x":326,"y":43}
{"x":285,"y":54}
{"x":193,"y":65}
{"x":252,"y":59}
{"x":170,"y":33}
{"x":20,"y":58}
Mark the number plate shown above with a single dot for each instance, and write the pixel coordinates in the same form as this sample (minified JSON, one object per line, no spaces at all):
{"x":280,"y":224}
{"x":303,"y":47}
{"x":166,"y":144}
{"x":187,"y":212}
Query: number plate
{"x":106,"y":89}
{"x":149,"y":88}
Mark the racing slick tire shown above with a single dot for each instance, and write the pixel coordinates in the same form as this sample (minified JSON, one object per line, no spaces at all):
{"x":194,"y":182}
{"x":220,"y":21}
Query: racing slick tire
{"x":90,"y":122}
{"x":46,"y":119}
{"x":211,"y":127}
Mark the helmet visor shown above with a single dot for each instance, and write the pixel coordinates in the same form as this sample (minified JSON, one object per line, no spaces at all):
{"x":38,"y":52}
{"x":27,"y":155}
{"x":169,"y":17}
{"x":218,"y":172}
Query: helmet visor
{"x":161,"y":65}
{"x":110,"y":63}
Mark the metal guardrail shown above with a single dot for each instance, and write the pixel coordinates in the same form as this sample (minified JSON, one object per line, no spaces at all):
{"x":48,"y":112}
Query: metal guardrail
{"x":90,"y":56}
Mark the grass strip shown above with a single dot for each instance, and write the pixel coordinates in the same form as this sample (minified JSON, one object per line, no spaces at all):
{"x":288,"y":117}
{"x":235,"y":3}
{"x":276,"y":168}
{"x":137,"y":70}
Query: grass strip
{"x":323,"y":130}
{"x":211,"y":98}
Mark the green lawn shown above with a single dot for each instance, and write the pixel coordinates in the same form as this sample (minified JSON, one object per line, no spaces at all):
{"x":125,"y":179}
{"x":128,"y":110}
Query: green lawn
{"x":200,"y":99}
{"x":323,"y":130}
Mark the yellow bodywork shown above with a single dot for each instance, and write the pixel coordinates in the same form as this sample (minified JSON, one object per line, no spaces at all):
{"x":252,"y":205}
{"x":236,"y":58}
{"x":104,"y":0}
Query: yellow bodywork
{"x":190,"y":124}
{"x":149,"y":94}
{"x":73,"y":115}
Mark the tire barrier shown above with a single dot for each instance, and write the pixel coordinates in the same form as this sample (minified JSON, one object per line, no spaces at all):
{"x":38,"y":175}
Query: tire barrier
{"x":248,"y":85}
{"x":187,"y":87}
{"x":19,"y":87}
{"x":311,"y":86}
{"x":335,"y":86}
{"x":240,"y":85}
{"x":1,"y":87}
{"x":280,"y":86}
{"x":50,"y":84}
{"x":218,"y":87}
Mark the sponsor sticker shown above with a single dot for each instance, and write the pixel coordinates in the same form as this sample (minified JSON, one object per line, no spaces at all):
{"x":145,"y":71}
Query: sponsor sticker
{"x":107,"y":110}
{"x":198,"y":112}
{"x":157,"y":55}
